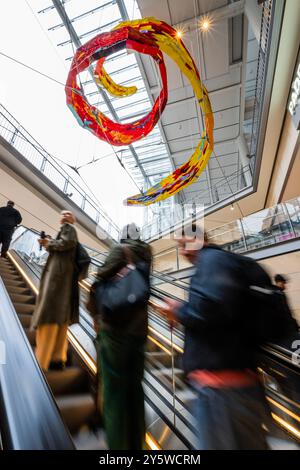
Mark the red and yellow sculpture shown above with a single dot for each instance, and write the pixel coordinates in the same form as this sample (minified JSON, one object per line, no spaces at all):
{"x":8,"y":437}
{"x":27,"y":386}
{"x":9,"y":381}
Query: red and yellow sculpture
{"x":152,"y":37}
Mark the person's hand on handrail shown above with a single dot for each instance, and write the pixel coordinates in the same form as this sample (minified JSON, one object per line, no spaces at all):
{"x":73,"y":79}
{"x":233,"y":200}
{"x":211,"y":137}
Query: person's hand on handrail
{"x":169,"y":309}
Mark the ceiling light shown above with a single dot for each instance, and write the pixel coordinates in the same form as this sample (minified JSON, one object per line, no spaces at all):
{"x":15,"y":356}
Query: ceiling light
{"x":205,"y":24}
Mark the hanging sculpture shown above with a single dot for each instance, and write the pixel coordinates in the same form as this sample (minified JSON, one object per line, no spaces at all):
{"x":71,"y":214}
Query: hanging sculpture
{"x":152,"y":37}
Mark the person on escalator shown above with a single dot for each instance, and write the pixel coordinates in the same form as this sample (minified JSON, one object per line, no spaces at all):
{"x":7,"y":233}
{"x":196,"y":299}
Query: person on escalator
{"x":9,"y":219}
{"x":58,"y":300}
{"x":292,"y":328}
{"x":222,"y":318}
{"x":118,"y":302}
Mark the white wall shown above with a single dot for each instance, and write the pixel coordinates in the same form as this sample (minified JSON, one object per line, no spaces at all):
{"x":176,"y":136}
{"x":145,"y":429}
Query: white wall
{"x":38,"y":212}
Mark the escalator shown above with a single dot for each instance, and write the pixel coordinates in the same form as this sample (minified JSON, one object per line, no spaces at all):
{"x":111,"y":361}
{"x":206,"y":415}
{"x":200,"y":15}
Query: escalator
{"x":168,"y":398}
{"x":279,"y":366}
{"x":72,"y":387}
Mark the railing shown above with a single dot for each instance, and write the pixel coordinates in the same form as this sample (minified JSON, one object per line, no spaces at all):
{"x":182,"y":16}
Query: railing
{"x":12,"y":131}
{"x":169,"y":221}
{"x":267,"y":227}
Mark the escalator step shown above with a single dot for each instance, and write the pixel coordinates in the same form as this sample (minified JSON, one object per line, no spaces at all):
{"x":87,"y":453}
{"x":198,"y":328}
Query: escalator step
{"x":72,"y":380}
{"x":31,"y":335}
{"x":76,"y":410}
{"x":20,"y":298}
{"x":25,"y":320}
{"x":7,"y":270}
{"x":24,"y":308}
{"x":11,"y":276}
{"x":14,"y":283}
{"x":18,"y":290}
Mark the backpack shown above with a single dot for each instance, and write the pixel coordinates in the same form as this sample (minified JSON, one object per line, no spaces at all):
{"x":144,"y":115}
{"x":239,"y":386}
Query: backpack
{"x":82,"y":262}
{"x":119,"y":299}
{"x":268,"y":310}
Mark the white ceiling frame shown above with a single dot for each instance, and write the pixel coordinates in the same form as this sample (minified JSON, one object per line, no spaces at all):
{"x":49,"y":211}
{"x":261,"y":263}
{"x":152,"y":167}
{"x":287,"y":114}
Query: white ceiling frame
{"x":218,"y":14}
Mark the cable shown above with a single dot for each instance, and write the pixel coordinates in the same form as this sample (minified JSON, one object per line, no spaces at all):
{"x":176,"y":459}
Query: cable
{"x":40,"y":24}
{"x":35,"y":70}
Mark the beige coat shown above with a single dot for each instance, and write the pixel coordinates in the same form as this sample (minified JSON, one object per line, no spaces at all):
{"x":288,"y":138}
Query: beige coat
{"x":58,"y":299}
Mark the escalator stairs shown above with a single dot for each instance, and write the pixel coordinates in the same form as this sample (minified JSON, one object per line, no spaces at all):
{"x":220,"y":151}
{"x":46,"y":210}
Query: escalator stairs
{"x":70,"y":387}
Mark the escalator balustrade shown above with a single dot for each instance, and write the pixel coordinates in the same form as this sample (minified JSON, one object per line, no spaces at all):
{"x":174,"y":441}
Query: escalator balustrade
{"x":72,"y":387}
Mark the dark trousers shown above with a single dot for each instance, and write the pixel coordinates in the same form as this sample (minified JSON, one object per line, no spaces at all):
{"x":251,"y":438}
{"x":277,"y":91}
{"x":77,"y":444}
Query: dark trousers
{"x":5,"y":239}
{"x":121,"y":374}
{"x":230,"y":419}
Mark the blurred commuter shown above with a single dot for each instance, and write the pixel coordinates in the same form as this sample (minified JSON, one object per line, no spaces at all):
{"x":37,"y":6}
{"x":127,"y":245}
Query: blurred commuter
{"x":281,"y":281}
{"x":9,"y":219}
{"x":58,"y":300}
{"x":292,"y":329}
{"x":119,"y":305}
{"x":220,"y":352}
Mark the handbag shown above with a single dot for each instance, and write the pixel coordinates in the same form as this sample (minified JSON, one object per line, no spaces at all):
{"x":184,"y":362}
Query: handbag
{"x":82,"y":261}
{"x":119,"y":298}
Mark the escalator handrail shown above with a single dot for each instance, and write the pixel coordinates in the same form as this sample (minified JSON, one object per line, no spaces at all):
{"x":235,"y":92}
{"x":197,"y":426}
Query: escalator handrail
{"x":29,"y":417}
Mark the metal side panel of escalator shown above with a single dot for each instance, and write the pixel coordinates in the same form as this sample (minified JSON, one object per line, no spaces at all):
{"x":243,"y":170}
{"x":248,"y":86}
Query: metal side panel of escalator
{"x":72,"y":388}
{"x":168,"y":397}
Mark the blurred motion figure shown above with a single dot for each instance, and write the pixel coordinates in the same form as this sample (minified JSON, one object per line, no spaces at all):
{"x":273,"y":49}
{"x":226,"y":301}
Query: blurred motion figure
{"x":291,"y":330}
{"x":58,"y":300}
{"x":220,"y":353}
{"x":121,"y":340}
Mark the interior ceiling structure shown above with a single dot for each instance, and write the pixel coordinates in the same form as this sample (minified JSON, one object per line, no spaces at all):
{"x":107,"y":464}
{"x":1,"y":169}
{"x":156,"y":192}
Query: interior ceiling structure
{"x":226,"y":56}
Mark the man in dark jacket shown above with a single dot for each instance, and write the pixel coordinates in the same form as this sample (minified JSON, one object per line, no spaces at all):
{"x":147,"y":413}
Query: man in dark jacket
{"x":9,"y":219}
{"x":220,"y":353}
{"x":121,"y":345}
{"x":58,"y":300}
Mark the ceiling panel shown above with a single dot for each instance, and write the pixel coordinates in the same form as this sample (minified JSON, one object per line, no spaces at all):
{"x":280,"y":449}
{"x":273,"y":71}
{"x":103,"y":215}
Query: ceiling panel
{"x":227,"y":117}
{"x":225,"y":98}
{"x":158,"y":9}
{"x":182,"y":128}
{"x":216,"y":50}
{"x":179,"y":111}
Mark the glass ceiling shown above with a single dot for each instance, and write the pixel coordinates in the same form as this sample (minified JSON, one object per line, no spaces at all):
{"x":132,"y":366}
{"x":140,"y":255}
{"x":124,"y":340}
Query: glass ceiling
{"x":148,"y":160}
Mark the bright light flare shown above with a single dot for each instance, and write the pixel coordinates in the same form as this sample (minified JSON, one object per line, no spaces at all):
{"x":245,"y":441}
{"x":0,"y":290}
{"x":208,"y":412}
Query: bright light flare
{"x":205,"y":24}
{"x":179,"y":34}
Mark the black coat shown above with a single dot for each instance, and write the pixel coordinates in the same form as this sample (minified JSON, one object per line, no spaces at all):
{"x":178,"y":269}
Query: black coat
{"x":217,"y":316}
{"x":9,"y":218}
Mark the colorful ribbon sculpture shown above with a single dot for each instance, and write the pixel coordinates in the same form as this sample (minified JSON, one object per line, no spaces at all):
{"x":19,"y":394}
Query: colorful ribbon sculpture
{"x":152,"y":37}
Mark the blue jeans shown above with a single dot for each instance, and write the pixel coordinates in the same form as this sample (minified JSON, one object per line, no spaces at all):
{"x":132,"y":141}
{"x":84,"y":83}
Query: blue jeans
{"x":230,"y":419}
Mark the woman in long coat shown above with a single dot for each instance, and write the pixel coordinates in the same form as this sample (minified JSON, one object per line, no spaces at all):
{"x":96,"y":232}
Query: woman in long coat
{"x":58,"y":301}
